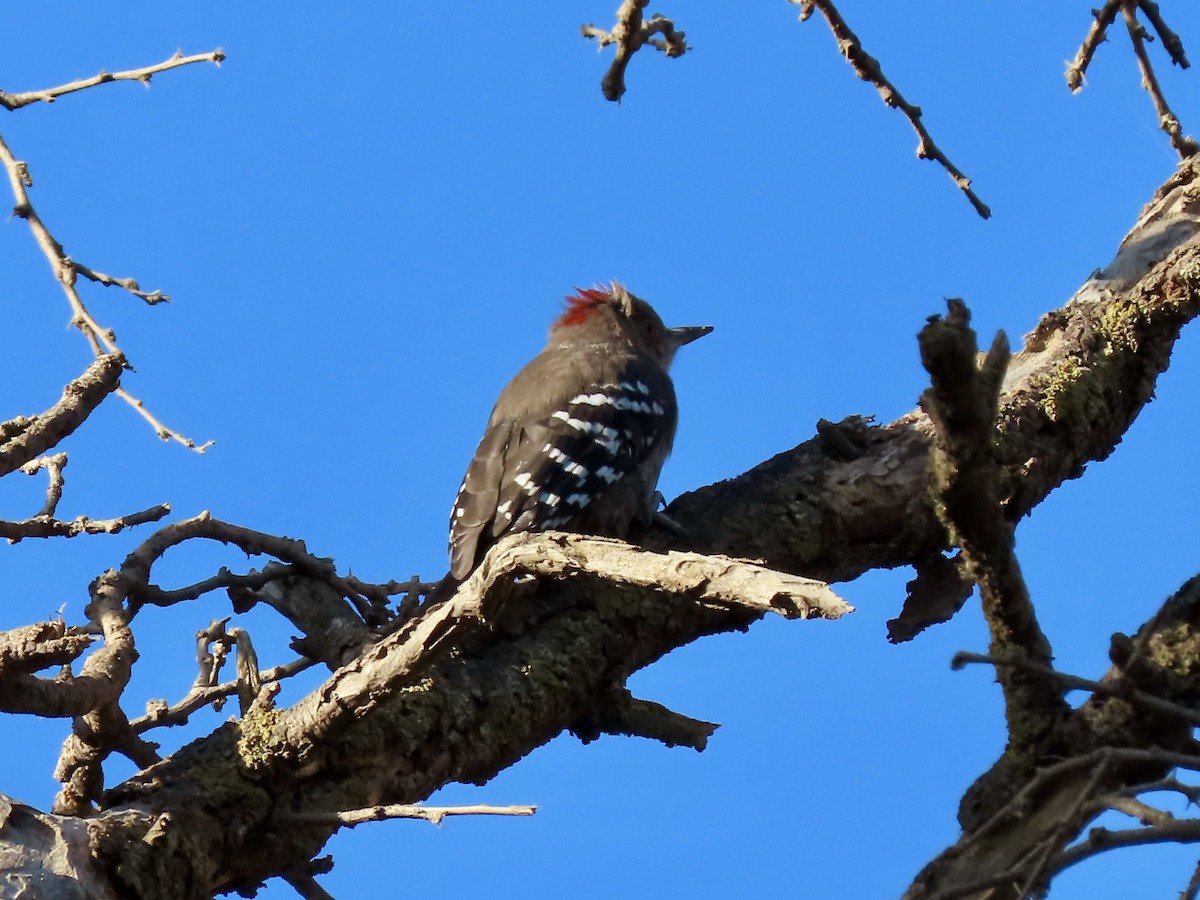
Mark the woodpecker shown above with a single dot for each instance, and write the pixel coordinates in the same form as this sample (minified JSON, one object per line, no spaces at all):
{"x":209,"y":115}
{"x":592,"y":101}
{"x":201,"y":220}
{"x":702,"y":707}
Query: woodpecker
{"x":577,"y":439}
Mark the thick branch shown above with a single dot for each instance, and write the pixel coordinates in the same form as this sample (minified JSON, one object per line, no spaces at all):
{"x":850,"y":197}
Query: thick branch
{"x":962,"y":403}
{"x":1083,"y":376}
{"x":31,"y":437}
{"x":513,"y":660}
{"x":546,"y":626}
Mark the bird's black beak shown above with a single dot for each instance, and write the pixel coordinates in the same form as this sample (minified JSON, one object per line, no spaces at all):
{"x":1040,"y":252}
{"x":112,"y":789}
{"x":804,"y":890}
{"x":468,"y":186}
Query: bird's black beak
{"x":688,"y":333}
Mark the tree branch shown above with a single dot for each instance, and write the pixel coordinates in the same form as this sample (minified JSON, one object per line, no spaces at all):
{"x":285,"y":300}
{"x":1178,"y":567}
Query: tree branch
{"x":962,"y":404}
{"x":624,"y":714}
{"x":1019,"y":818}
{"x":1097,"y":34}
{"x":102,"y":340}
{"x":26,"y":438}
{"x":1167,"y":120}
{"x":49,"y":95}
{"x":469,"y":687}
{"x":867,"y":68}
{"x":1069,"y":395}
{"x":435,"y":814}
{"x":630,"y":34}
{"x":44,"y":527}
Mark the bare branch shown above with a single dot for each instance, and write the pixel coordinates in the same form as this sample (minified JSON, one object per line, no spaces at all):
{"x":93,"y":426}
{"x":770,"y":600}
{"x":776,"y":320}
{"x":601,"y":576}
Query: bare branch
{"x":45,"y":527}
{"x":1136,"y":809}
{"x":867,"y":68}
{"x":105,"y":726}
{"x":103,"y":341}
{"x":718,"y":581}
{"x":49,"y":95}
{"x":306,"y":886}
{"x":159,"y":715}
{"x":486,"y":601}
{"x":167,"y":434}
{"x":963,"y":405}
{"x":253,"y":580}
{"x":1099,"y":840}
{"x":1193,"y":886}
{"x":128,"y":284}
{"x":434,"y":814}
{"x":1190,"y":791}
{"x":1097,"y":34}
{"x":312,"y":599}
{"x":1171,"y":42}
{"x":627,"y":715}
{"x":1167,"y":120}
{"x":32,"y":648}
{"x":1075,"y":682}
{"x":31,"y":437}
{"x":630,"y":33}
{"x":1039,"y":870}
{"x":53,"y":466}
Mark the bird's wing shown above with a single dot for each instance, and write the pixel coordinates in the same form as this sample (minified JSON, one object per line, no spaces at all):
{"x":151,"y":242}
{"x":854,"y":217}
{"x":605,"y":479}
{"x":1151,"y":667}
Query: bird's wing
{"x":539,"y":475}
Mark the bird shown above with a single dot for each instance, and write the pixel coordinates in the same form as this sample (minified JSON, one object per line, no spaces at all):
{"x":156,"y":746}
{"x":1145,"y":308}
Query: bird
{"x":578,"y":437}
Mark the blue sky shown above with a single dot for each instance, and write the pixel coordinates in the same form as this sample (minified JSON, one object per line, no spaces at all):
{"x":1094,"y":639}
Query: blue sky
{"x":367,"y":220}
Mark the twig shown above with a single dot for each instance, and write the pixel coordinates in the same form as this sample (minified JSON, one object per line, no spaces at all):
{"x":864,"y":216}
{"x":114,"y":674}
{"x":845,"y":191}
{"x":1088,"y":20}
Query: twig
{"x":1167,"y":120}
{"x":1066,"y":827}
{"x":1171,"y":42}
{"x":1179,"y":831}
{"x":128,"y":284}
{"x":159,"y":715}
{"x":312,"y":598}
{"x":53,"y":465}
{"x":1190,"y":791}
{"x":1097,"y":34}
{"x":1193,"y":885}
{"x":434,"y":814}
{"x":630,"y":33}
{"x":1135,"y":809}
{"x":102,"y":340}
{"x":1075,"y":682}
{"x":1023,"y":798}
{"x":167,"y":434}
{"x":253,"y":580}
{"x":49,"y":95}
{"x":867,"y":68}
{"x":46,"y":527}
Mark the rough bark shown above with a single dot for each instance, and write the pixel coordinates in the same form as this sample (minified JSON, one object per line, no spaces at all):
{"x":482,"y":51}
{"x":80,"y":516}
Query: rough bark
{"x":1084,"y":374}
{"x":462,"y":692}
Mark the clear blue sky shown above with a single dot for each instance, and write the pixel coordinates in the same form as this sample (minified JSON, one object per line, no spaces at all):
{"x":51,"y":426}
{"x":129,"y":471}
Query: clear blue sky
{"x":368,"y":219}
